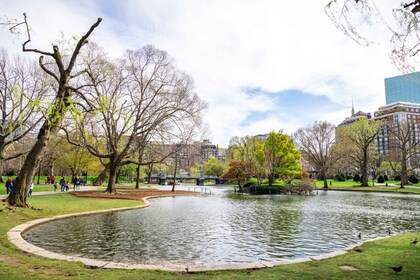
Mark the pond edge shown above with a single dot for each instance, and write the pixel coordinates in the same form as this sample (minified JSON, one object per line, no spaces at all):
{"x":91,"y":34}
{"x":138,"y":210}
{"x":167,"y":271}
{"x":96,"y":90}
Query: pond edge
{"x":15,"y":236}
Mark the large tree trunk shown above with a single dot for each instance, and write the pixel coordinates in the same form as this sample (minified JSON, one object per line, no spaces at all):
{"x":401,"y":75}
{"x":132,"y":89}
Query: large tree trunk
{"x":270,"y":179}
{"x":138,"y":176}
{"x":26,"y":175}
{"x":102,"y":176}
{"x":113,"y":171}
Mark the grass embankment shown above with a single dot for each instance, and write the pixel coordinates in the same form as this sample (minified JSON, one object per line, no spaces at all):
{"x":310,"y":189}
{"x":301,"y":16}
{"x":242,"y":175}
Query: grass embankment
{"x":350,"y":185}
{"x":372,"y":259}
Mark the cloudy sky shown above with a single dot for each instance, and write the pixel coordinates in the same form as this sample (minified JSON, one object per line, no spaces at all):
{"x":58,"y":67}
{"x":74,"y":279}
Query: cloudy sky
{"x":261,"y":65}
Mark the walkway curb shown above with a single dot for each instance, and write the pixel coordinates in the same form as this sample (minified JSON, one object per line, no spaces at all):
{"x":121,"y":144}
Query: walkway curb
{"x":15,"y":236}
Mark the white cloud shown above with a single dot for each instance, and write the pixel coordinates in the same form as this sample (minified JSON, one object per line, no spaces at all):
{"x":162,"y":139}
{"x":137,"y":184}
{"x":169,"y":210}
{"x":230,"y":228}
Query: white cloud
{"x":229,"y":45}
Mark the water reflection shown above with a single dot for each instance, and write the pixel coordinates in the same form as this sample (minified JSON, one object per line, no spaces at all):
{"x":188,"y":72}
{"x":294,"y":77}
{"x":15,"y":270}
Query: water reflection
{"x":228,"y":228}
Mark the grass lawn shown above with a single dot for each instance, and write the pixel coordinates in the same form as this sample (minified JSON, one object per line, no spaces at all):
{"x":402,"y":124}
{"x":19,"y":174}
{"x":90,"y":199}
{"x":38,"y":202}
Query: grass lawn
{"x":372,"y":259}
{"x":354,"y":186}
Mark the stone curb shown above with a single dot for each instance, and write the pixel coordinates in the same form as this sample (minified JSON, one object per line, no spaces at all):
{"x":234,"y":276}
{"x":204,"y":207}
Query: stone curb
{"x":15,"y":236}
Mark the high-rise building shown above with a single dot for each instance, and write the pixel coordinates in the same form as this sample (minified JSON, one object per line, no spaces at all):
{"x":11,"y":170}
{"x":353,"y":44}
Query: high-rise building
{"x":394,"y":115}
{"x":405,"y":88}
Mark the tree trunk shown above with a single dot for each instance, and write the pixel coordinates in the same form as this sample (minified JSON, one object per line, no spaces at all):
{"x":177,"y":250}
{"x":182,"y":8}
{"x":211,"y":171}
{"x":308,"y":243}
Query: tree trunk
{"x":101,"y":177}
{"x":324,"y":176}
{"x":39,"y":174}
{"x":404,"y":176}
{"x":137,"y":176}
{"x":26,"y":175}
{"x":117,"y":177}
{"x":365,"y":179}
{"x":1,"y":170}
{"x":149,"y":174}
{"x":175,"y":169}
{"x":270,"y":180}
{"x":113,"y":170}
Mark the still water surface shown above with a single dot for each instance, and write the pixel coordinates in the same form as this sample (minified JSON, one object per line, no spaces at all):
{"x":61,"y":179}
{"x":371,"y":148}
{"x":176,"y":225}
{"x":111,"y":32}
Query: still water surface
{"x":231,"y":228}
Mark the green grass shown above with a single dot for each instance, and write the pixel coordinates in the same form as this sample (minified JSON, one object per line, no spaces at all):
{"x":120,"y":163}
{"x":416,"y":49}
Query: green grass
{"x":372,"y":259}
{"x":350,"y":185}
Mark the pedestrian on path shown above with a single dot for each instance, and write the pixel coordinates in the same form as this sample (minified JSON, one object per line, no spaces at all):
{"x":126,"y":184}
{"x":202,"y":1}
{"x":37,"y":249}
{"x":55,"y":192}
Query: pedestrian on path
{"x":9,"y":185}
{"x":31,"y":188}
{"x":63,"y":184}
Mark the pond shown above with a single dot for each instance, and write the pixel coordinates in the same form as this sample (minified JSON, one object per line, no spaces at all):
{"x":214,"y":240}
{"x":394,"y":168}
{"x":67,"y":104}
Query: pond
{"x":228,"y":228}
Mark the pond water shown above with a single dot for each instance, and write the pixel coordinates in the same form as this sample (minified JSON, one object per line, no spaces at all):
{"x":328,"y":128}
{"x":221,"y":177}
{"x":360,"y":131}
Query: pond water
{"x":225,"y":227}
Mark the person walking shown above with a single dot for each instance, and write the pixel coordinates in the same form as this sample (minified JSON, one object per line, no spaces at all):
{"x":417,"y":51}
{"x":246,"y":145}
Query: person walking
{"x":31,"y":188}
{"x":63,"y":184}
{"x":9,"y":185}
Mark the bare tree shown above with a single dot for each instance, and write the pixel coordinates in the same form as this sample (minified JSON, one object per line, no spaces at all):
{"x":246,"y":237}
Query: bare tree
{"x":140,"y":96}
{"x":362,"y":135}
{"x":66,"y":72}
{"x":22,"y":87}
{"x":402,"y":26}
{"x":317,"y":142}
{"x":406,"y":141}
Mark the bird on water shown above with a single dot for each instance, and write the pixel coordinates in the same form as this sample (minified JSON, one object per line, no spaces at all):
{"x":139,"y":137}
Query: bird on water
{"x":359,"y":235}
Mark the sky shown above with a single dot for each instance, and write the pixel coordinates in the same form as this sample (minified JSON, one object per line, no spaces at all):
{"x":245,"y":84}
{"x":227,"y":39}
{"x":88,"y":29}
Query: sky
{"x":261,"y":65}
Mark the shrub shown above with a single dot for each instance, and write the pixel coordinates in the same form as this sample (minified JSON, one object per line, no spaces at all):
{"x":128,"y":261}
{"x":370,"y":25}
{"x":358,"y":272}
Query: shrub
{"x":340,"y":177}
{"x":397,"y":178}
{"x":303,"y":185}
{"x":249,"y":184}
{"x":264,"y":190}
{"x":413,"y":179}
{"x":381,"y":179}
{"x":357,"y":178}
{"x":386,"y":177}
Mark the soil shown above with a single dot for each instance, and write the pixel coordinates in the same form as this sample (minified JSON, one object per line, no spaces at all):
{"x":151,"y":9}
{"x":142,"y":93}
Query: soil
{"x":130,"y":193}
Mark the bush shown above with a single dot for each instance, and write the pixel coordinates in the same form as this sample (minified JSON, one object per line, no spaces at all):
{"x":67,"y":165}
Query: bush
{"x":303,"y":185}
{"x":381,"y":179}
{"x":249,"y":184}
{"x":264,"y":190}
{"x":397,"y":178}
{"x":357,"y":178}
{"x":413,"y":179}
{"x":386,"y":177}
{"x":340,"y":177}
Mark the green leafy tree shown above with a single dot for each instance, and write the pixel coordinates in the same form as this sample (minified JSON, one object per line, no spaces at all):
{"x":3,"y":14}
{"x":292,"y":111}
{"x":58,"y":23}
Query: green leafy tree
{"x":214,"y":167}
{"x":246,"y":150}
{"x":280,"y":157}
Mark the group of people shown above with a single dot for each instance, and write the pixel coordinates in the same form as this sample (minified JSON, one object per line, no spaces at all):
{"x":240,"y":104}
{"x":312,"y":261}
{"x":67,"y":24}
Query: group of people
{"x":9,"y":185}
{"x":64,"y":185}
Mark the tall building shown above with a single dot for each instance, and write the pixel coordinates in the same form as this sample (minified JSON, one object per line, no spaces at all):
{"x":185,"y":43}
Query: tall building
{"x":395,"y":115}
{"x":405,"y":88}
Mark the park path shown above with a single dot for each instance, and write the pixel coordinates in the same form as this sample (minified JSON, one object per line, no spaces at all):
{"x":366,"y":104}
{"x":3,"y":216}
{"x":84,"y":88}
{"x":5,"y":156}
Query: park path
{"x":82,"y":188}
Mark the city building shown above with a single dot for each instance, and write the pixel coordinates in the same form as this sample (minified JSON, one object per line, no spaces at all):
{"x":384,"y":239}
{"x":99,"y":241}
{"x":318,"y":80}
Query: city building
{"x":404,"y":88}
{"x":355,"y":117}
{"x":395,"y":115}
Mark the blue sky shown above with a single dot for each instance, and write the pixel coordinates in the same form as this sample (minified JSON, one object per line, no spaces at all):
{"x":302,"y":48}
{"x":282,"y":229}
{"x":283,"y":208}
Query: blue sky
{"x":261,"y":65}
